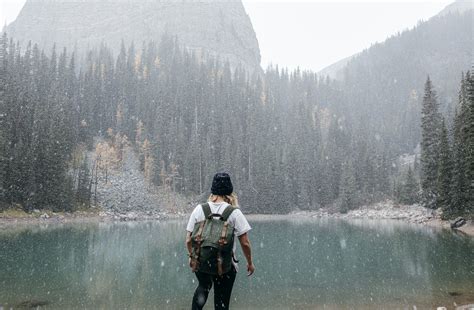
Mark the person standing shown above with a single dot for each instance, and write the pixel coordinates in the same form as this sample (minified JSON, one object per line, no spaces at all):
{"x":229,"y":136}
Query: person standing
{"x":215,"y":263}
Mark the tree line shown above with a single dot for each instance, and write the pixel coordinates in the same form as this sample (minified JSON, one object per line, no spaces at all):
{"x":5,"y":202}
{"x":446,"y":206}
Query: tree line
{"x":285,"y":137}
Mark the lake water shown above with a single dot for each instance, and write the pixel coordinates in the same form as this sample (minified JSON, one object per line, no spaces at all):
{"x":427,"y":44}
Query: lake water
{"x":301,"y":264}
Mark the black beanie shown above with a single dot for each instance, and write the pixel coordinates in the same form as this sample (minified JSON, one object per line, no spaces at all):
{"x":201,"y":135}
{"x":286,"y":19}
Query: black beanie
{"x":221,"y":185}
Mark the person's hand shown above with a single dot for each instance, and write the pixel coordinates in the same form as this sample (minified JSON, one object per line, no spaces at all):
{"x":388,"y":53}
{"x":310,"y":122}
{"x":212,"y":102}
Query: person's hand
{"x":250,"y":269}
{"x":190,"y":263}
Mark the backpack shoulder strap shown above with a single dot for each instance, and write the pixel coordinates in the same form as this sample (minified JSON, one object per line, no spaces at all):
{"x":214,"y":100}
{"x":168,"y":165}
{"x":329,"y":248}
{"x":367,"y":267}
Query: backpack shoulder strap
{"x":206,"y":209}
{"x":227,"y":212}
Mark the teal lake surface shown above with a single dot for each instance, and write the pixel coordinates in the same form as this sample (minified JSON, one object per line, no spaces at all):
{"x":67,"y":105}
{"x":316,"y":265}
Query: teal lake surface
{"x":301,"y":264}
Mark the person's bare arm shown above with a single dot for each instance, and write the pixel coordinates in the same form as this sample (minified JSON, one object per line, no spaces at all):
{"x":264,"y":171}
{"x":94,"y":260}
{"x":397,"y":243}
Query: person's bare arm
{"x":247,"y":249}
{"x":189,"y":246}
{"x":188,"y":242}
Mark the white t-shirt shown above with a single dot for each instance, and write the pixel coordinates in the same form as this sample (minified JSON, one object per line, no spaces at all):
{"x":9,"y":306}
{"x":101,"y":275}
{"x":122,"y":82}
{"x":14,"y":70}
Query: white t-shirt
{"x":236,"y":219}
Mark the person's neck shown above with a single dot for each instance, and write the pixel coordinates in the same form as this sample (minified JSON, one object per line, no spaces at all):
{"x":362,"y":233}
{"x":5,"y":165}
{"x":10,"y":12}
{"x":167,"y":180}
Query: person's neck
{"x":219,"y":199}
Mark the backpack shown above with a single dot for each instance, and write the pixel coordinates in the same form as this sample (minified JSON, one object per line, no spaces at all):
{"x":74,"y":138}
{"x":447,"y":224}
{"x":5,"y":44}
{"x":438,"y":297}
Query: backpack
{"x":212,"y":242}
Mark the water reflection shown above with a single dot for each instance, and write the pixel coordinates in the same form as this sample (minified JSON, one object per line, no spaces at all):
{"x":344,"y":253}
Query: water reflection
{"x":305,"y":263}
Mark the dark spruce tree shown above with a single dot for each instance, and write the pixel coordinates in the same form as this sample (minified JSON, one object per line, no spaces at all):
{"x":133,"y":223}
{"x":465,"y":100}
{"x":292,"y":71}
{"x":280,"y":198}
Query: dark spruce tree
{"x":461,"y":179}
{"x":444,"y":173}
{"x":408,"y":190}
{"x":430,"y":133}
{"x":468,"y":130}
{"x":458,"y":186}
{"x":348,"y":198}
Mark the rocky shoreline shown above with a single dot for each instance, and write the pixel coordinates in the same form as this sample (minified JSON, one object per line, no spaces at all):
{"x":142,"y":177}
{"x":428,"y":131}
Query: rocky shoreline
{"x":123,"y":195}
{"x":387,"y":210}
{"x":89,"y":216}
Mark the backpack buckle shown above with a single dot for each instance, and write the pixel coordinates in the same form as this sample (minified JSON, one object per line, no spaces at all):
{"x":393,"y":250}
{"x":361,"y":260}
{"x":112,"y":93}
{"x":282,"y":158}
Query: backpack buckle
{"x":213,"y":215}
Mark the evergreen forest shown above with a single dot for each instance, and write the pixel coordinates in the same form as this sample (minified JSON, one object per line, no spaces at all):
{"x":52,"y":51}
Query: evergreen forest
{"x":285,"y":137}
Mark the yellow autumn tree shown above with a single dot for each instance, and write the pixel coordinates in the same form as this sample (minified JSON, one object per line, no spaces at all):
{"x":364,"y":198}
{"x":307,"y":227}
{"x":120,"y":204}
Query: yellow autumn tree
{"x":106,"y":158}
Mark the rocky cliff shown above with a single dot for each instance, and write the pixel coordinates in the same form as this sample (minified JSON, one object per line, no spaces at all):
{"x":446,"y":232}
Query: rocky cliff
{"x":217,"y":27}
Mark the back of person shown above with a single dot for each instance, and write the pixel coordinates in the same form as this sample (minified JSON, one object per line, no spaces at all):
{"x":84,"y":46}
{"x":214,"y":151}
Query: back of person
{"x":207,"y":272}
{"x":236,"y":224}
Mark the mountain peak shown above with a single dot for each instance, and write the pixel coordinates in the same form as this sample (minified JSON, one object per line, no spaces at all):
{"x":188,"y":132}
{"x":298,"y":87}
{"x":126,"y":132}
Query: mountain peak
{"x":459,"y":6}
{"x":219,"y":28}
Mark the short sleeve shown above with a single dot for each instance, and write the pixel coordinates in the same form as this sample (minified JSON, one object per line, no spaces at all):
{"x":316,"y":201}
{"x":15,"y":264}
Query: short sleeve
{"x":241,"y":225}
{"x":193,"y":219}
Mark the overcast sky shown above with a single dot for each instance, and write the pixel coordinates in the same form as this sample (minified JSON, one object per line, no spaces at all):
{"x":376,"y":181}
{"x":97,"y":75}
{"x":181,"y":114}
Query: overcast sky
{"x":313,"y":34}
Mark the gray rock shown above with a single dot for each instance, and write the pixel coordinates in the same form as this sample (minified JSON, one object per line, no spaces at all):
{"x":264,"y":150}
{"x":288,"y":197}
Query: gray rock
{"x":33,"y":304}
{"x":215,"y":27}
{"x":458,"y":222}
{"x":128,"y":197}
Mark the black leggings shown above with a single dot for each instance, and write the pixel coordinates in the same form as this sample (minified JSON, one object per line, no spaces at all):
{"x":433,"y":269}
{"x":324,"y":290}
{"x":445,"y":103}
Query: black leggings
{"x":222,"y":290}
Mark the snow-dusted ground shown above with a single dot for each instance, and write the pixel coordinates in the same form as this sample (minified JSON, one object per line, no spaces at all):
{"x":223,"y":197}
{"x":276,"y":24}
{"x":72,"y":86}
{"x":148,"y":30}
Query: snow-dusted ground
{"x":127,"y":196}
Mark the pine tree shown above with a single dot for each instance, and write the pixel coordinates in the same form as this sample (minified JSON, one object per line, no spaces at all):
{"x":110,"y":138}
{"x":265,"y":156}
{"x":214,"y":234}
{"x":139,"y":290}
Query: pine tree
{"x":3,"y":140}
{"x":430,"y":126}
{"x":459,"y":183}
{"x":409,"y":189}
{"x":469,"y":144}
{"x":348,"y":191}
{"x":444,"y":172}
{"x":83,"y":191}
